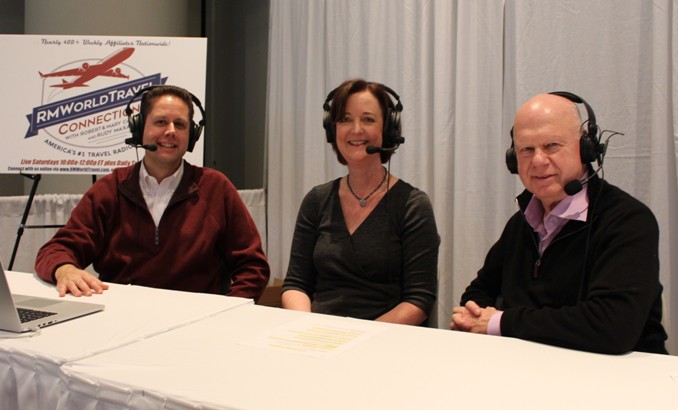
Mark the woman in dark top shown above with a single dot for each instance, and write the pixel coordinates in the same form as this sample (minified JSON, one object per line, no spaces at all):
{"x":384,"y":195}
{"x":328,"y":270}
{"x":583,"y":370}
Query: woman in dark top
{"x":365,"y":245}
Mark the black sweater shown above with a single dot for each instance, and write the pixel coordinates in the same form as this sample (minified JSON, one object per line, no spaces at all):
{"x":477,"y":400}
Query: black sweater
{"x":391,"y":258}
{"x":595,"y":288}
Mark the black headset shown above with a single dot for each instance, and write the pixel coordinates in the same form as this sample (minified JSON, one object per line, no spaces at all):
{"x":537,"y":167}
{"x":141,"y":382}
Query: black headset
{"x":390,"y":137}
{"x":137,"y":121}
{"x":590,"y":148}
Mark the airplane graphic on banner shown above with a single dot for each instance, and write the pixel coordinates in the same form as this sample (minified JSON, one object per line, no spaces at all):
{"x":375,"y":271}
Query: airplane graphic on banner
{"x":86,"y":72}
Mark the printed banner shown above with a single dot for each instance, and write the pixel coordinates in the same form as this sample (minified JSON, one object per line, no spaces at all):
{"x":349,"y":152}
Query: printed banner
{"x":66,"y":98}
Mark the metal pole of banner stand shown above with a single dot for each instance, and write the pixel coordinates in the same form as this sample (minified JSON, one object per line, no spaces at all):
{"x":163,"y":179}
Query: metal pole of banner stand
{"x":24,"y":218}
{"x":27,"y":210}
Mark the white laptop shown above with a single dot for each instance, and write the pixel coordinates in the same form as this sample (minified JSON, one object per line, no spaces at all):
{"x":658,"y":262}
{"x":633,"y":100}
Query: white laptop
{"x":21,"y":313}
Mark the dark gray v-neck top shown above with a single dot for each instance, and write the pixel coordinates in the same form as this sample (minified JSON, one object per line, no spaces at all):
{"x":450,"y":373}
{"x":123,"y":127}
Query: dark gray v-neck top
{"x":391,"y":257}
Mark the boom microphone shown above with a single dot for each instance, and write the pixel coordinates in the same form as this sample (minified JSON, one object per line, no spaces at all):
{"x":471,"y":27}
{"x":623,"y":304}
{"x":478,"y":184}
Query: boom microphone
{"x":148,"y":147}
{"x":371,"y":149}
{"x":573,"y":187}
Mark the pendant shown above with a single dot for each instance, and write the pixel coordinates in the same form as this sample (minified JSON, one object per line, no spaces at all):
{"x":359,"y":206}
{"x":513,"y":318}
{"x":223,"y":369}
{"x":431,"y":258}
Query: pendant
{"x":362,"y":202}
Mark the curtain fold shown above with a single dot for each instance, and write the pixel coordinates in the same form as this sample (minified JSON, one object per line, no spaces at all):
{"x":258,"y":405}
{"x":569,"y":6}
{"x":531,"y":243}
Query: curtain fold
{"x":47,"y":209}
{"x":462,"y":68}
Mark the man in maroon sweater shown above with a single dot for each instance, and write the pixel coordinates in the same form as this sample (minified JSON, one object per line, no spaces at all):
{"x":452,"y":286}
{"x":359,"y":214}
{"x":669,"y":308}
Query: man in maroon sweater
{"x":161,"y":222}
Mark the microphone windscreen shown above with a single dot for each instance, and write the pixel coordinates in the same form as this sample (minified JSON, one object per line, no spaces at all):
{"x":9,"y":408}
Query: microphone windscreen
{"x":150,"y":147}
{"x":371,"y":149}
{"x":573,"y":187}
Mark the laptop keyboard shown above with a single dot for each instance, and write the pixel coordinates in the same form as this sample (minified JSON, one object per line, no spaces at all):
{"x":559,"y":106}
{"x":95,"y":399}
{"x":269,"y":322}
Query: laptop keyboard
{"x":27,"y":315}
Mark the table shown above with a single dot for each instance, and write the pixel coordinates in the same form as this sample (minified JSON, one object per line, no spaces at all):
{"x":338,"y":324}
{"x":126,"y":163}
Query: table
{"x":30,"y":368}
{"x":213,"y":363}
{"x":154,"y":348}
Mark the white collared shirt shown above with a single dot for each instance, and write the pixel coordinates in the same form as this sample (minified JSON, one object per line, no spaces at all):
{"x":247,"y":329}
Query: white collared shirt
{"x":157,"y":195}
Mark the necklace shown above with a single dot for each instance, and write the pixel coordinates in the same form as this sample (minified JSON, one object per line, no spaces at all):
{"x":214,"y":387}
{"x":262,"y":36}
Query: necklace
{"x":363,"y":201}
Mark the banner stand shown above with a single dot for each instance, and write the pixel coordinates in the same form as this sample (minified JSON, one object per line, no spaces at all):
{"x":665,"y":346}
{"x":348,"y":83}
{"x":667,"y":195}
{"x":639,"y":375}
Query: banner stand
{"x":22,"y":225}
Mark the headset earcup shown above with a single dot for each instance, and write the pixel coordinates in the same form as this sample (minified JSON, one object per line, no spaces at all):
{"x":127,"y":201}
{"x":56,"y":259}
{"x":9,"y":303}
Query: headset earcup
{"x":511,"y":160}
{"x":193,"y":135}
{"x":587,"y":149}
{"x":391,"y":129}
{"x":387,"y":134}
{"x":136,"y":128}
{"x":327,"y":125}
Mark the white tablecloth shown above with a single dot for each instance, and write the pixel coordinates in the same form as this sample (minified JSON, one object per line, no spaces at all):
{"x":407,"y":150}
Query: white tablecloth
{"x":211,"y":364}
{"x":30,"y":367}
{"x":155,"y":349}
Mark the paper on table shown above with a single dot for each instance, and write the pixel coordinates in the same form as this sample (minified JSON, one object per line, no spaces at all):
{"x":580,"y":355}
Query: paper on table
{"x":315,"y":337}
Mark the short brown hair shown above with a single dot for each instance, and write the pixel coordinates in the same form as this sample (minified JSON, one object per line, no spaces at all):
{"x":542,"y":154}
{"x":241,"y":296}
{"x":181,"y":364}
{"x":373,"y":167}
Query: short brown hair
{"x":156,"y":92}
{"x":338,"y":108}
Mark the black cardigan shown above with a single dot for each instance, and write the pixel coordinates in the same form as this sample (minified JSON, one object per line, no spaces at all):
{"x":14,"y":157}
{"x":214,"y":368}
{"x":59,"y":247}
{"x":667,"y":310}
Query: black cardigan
{"x":595,"y":288}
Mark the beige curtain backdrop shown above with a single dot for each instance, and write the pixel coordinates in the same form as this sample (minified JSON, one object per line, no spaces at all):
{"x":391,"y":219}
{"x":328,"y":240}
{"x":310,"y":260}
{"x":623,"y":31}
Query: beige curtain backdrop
{"x":461,"y":68}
